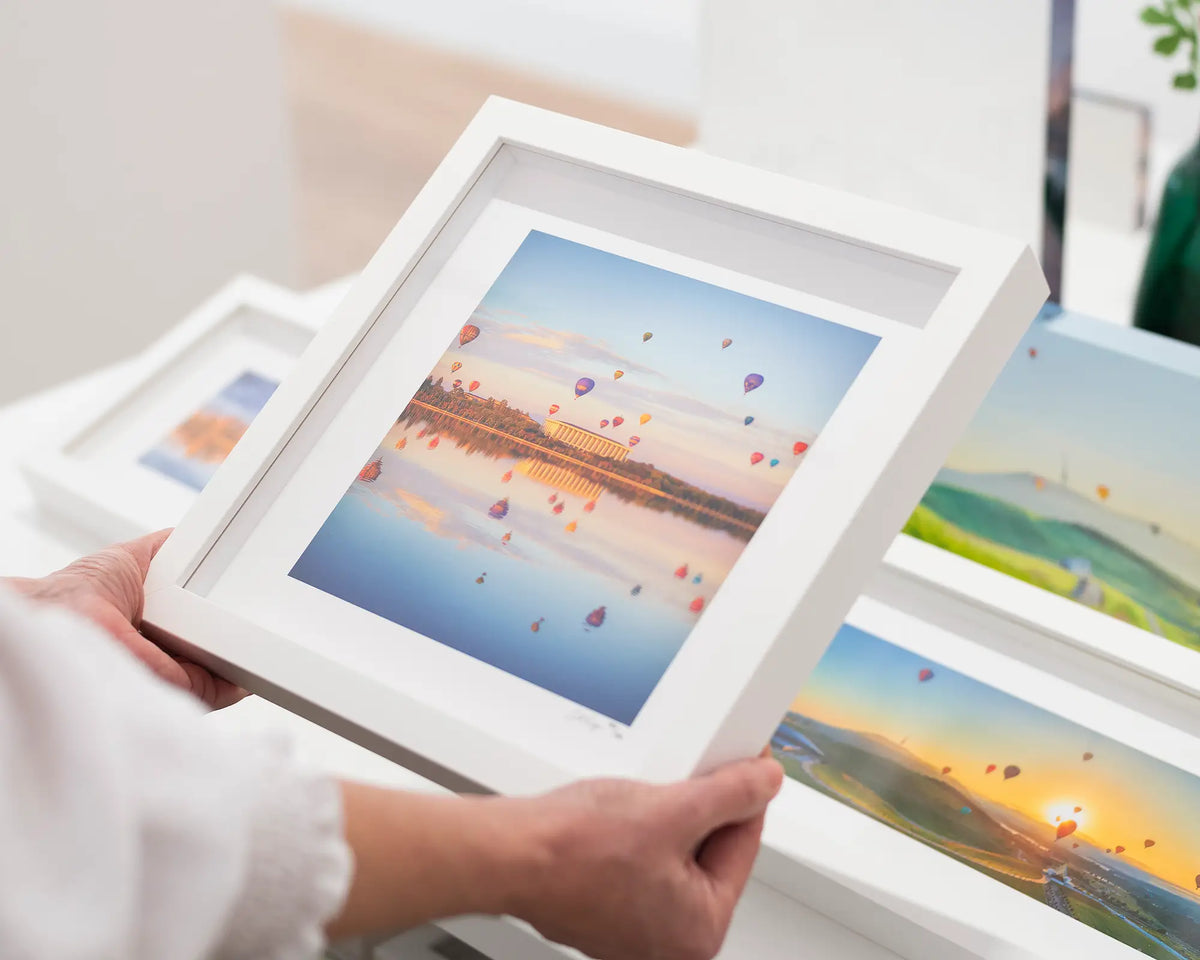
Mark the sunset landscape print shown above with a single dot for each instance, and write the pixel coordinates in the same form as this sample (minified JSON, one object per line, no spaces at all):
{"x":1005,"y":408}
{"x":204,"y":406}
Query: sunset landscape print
{"x":1086,"y":825}
{"x":574,"y":480}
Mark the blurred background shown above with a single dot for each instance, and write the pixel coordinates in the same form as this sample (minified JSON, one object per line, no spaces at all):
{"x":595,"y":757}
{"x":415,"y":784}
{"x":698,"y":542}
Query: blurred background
{"x":153,"y":149}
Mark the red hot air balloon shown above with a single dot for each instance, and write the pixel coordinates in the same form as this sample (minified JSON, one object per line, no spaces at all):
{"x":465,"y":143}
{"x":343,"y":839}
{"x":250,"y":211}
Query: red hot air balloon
{"x":1065,"y":829}
{"x":681,"y":572}
{"x":755,"y":458}
{"x":752,"y":382}
{"x":473,"y":385}
{"x":945,"y":770}
{"x":799,"y":447}
{"x":553,"y":498}
{"x":456,"y":384}
{"x":589,"y":506}
{"x":1033,"y":353}
{"x":603,"y":424}
{"x":553,"y":408}
{"x":1149,"y":844}
{"x":596,"y":617}
{"x":725,"y":343}
{"x":506,"y":476}
{"x":434,"y":442}
{"x":617,"y":421}
{"x":1119,"y":849}
{"x":583,"y":386}
{"x":468,"y":333}
{"x":696,"y":605}
{"x":991,"y":768}
{"x":925,"y":675}
{"x":537,"y":624}
{"x":455,"y":367}
{"x":558,"y":508}
{"x":1087,"y":757}
{"x":1012,"y":770}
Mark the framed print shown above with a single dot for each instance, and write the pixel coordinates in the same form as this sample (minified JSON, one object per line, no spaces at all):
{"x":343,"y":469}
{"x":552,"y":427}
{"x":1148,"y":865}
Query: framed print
{"x":607,"y":433}
{"x":136,"y":464}
{"x":1013,"y":812}
{"x":1068,"y":507}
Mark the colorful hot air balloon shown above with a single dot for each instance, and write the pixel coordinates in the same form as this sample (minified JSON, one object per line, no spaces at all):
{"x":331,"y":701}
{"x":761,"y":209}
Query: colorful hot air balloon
{"x":553,"y":409}
{"x":755,"y":458}
{"x":752,"y":382}
{"x":570,"y":527}
{"x":1118,"y":849}
{"x":505,"y":477}
{"x":473,"y":385}
{"x":965,"y":810}
{"x":583,"y":385}
{"x":1148,"y":844}
{"x":945,"y":770}
{"x":646,"y":336}
{"x":499,"y":509}
{"x":456,"y":384}
{"x":618,"y":374}
{"x":434,"y":442}
{"x":617,"y":421}
{"x":636,"y":590}
{"x":371,"y":471}
{"x":1065,"y":829}
{"x":774,"y":461}
{"x":1088,"y":756}
{"x":696,"y":605}
{"x":401,"y":443}
{"x":455,"y":367}
{"x":479,"y":579}
{"x":925,"y":675}
{"x":1102,"y":492}
{"x":799,"y":447}
{"x":991,"y":768}
{"x":634,"y":441}
{"x":681,"y":572}
{"x":603,"y":424}
{"x":589,"y":506}
{"x":644,"y":419}
{"x":468,"y":333}
{"x":596,"y":617}
{"x":698,"y":578}
{"x":1012,"y":770}
{"x":748,"y":421}
{"x":537,"y":624}
{"x":725,"y":343}
{"x":558,"y":508}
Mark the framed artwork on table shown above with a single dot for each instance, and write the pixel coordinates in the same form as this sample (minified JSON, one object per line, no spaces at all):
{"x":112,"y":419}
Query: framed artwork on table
{"x":608,"y":433}
{"x":135,"y":464}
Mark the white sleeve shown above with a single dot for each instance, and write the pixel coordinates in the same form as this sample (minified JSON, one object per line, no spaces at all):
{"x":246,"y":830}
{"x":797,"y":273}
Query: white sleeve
{"x":131,"y":828}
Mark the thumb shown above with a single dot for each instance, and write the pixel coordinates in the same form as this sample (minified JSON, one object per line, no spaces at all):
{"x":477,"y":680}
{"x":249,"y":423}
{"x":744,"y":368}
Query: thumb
{"x":143,"y":549}
{"x":733,"y":793}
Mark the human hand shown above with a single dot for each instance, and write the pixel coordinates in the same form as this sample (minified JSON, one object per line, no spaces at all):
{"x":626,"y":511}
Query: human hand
{"x":633,"y":870}
{"x":108,"y":588}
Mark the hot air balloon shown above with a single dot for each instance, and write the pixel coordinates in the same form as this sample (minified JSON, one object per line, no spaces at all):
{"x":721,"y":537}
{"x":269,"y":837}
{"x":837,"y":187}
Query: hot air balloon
{"x":644,"y":419}
{"x":965,"y":810}
{"x":774,"y":461}
{"x":603,"y":424}
{"x":634,"y":441}
{"x":1119,"y":849}
{"x":945,"y":770}
{"x":583,"y":386}
{"x":636,"y":590}
{"x":646,"y":336}
{"x":1198,"y":881}
{"x":479,"y":579}
{"x":434,"y":442}
{"x":725,"y":343}
{"x":752,"y":382}
{"x":1102,"y":492}
{"x":499,"y":509}
{"x":1032,"y":352}
{"x":558,"y":508}
{"x":553,"y":409}
{"x":799,"y":447}
{"x":1148,"y":844}
{"x":570,"y":527}
{"x":1074,"y":846}
{"x":1108,"y":849}
{"x":1057,"y":819}
{"x":696,"y":605}
{"x":596,"y":617}
{"x":681,"y":572}
{"x":698,"y":578}
{"x":748,"y":421}
{"x":991,"y":768}
{"x":455,"y":367}
{"x":1039,"y":483}
{"x":473,"y":385}
{"x":371,"y":471}
{"x":506,"y":537}
{"x":617,"y":421}
{"x":553,"y":498}
{"x":456,"y":384}
{"x":401,"y":443}
{"x":421,"y":433}
{"x":1065,"y":829}
{"x":506,"y":477}
{"x":1012,"y":770}
{"x":755,"y":458}
{"x":1079,"y":809}
{"x":537,"y":624}
{"x":468,"y":333}
{"x":1087,"y":757}
{"x":618,"y":374}
{"x":925,"y":675}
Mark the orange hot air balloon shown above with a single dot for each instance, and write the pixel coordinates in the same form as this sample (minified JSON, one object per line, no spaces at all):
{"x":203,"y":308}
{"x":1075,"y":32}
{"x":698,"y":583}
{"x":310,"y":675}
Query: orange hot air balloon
{"x":589,"y":506}
{"x":1012,"y":770}
{"x":553,"y":408}
{"x":434,"y":442}
{"x":1102,"y":491}
{"x":473,"y":386}
{"x":644,"y":419}
{"x":479,"y":579}
{"x":421,"y":433}
{"x":1039,"y":482}
{"x":725,"y":343}
{"x":1119,"y":849}
{"x":506,"y":537}
{"x":401,"y":443}
{"x":1149,"y":844}
{"x":646,"y":336}
{"x":455,"y":367}
{"x":1065,"y":829}
{"x":1057,"y":819}
{"x":618,"y":374}
{"x":468,"y":333}
{"x":506,"y":477}
{"x":570,"y":527}
{"x":945,"y":770}
{"x":681,"y":572}
{"x":799,"y":447}
{"x":991,"y":768}
{"x":925,"y":675}
{"x":696,"y":605}
{"x":1079,"y":809}
{"x":755,"y":458}
{"x":1087,"y":757}
{"x":537,"y":624}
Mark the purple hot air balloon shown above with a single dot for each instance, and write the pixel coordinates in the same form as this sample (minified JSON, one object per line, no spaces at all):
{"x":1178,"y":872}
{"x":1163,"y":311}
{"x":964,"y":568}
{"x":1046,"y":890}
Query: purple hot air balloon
{"x":752,"y":382}
{"x":583,"y":385}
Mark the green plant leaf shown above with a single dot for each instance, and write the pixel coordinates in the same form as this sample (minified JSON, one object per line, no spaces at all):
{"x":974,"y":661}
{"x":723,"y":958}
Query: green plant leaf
{"x":1167,"y":45}
{"x":1184,"y":81}
{"x":1156,"y":17}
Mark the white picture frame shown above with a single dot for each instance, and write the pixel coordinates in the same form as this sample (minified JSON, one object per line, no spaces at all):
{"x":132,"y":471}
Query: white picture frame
{"x":88,"y":471}
{"x":1156,"y":675}
{"x":947,"y":303}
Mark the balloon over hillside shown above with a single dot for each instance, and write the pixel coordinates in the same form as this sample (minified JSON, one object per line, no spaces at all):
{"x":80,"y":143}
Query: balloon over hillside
{"x":468,"y":333}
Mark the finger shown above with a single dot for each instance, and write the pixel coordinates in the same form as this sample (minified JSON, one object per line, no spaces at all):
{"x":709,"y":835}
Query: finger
{"x":143,"y":549}
{"x":728,"y":855}
{"x":210,"y":688}
{"x":732,"y":794}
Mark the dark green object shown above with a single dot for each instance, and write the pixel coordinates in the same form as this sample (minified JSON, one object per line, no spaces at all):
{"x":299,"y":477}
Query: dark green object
{"x":1168,"y":300}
